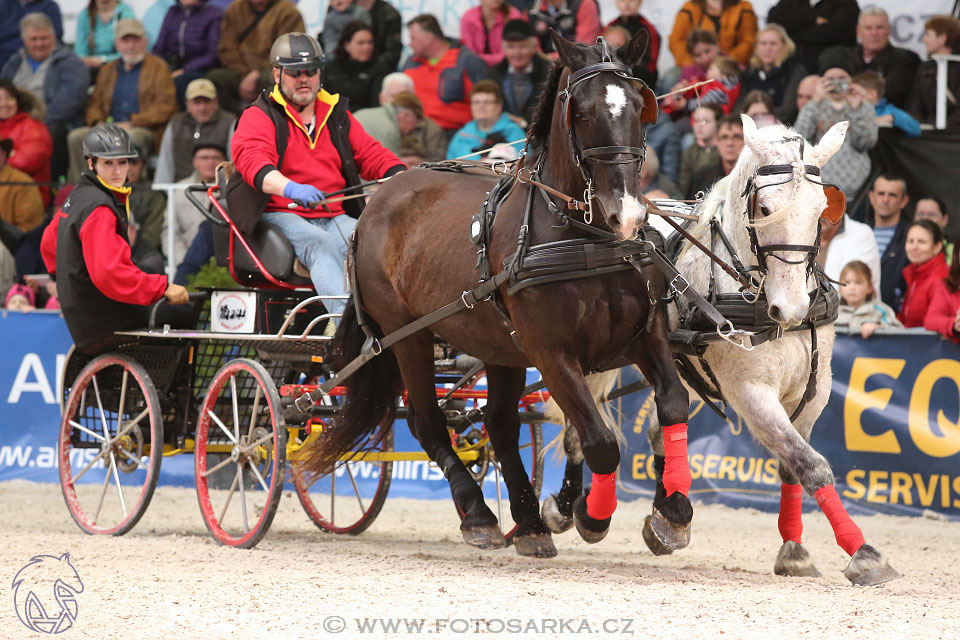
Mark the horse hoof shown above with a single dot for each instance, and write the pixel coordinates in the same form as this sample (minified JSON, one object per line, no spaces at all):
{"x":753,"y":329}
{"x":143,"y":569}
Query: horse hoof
{"x":590,"y":529}
{"x":555,"y":521}
{"x":868,"y":567}
{"x":484,"y":536}
{"x":538,"y":545}
{"x":653,"y":543}
{"x":793,"y":560}
{"x":672,"y":536}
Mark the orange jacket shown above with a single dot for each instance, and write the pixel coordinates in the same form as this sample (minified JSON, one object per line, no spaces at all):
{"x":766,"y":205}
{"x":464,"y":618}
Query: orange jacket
{"x":737,"y":35}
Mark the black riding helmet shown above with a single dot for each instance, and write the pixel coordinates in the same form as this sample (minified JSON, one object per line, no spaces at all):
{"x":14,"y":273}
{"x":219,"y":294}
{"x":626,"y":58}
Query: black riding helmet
{"x":108,"y":141}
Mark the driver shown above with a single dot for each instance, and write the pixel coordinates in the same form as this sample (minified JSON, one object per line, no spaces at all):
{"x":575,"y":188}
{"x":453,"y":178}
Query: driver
{"x":324,"y":149}
{"x":87,"y":247}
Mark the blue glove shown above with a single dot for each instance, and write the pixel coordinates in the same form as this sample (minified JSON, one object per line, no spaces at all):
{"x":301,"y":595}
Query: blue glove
{"x":302,"y":194}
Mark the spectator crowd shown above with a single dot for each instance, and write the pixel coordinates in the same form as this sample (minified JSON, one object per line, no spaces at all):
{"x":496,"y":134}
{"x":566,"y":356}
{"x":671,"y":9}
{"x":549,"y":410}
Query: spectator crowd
{"x":178,"y":82}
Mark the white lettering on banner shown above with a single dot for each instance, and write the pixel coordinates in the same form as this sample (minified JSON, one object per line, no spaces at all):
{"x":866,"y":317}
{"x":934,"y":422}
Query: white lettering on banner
{"x":31,"y":378}
{"x":14,"y":456}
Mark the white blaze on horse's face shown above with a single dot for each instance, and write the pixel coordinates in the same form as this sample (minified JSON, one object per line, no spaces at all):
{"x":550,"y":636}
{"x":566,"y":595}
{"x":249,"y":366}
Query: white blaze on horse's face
{"x":616,"y":100}
{"x":788,"y":213}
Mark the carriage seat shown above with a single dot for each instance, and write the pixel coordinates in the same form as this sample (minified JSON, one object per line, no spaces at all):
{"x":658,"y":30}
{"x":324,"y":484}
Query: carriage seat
{"x":268,"y":243}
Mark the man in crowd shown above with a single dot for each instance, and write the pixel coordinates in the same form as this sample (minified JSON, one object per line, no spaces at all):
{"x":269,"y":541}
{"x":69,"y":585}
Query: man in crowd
{"x":522,"y":72}
{"x":55,"y":76}
{"x":136,"y":92}
{"x":13,"y":11}
{"x":399,"y":124}
{"x":806,"y":90}
{"x":207,"y":154}
{"x":203,"y":120}
{"x":875,"y":53}
{"x":889,"y":197}
{"x":815,"y":26}
{"x":20,"y":204}
{"x":249,"y":28}
{"x":443,"y":74}
{"x":326,"y":150}
{"x":729,"y":145}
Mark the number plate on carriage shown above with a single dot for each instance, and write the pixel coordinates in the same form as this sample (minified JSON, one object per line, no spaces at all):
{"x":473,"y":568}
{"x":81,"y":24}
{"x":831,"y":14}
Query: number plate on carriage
{"x":233,"y":311}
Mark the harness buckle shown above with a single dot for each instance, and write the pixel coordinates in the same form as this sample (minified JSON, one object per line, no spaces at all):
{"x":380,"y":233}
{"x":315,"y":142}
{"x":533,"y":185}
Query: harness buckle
{"x":686,"y":284}
{"x":463,"y":297}
{"x":737,"y":337}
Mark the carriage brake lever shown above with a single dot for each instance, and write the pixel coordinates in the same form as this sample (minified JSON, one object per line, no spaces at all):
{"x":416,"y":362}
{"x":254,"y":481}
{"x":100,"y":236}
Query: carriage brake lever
{"x":737,"y":337}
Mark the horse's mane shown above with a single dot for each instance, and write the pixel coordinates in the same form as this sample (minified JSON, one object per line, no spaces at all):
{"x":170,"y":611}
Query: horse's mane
{"x":539,"y":132}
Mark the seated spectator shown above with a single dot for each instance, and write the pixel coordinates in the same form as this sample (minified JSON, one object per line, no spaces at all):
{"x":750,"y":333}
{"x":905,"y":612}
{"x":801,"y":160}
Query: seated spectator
{"x":11,"y":29}
{"x":387,"y":25}
{"x":925,"y":273}
{"x":148,"y":210}
{"x":651,"y":180}
{"x":490,"y":125}
{"x":187,"y":220}
{"x":859,"y":311}
{"x":8,"y":269}
{"x":188,"y":41}
{"x":703,"y":50}
{"x":631,"y":20}
{"x":703,"y":153}
{"x":443,"y":74}
{"x":723,"y":90}
{"x":401,"y":127}
{"x":20,"y":298}
{"x":805,"y":90}
{"x":759,"y":105}
{"x":203,"y":120}
{"x":941,"y":36}
{"x":248,"y":30}
{"x":381,"y":122}
{"x":870,"y":85}
{"x":875,"y":53}
{"x":815,"y":26}
{"x":522,"y":72}
{"x":575,"y":20}
{"x":935,"y":210}
{"x":846,"y":241}
{"x":729,"y":146}
{"x":663,"y":137}
{"x":20,"y":204}
{"x":31,"y":139}
{"x":95,"y":29}
{"x":60,"y":85}
{"x":353,"y":72}
{"x":777,"y":71}
{"x":733,"y":21}
{"x":481,"y":28}
{"x":834,"y":102}
{"x":888,"y":198}
{"x":135,"y":92}
{"x":340,"y":13}
{"x":943,"y":316}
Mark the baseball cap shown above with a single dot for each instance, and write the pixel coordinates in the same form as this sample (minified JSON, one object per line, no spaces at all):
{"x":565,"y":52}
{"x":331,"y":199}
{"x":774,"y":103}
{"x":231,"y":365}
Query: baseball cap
{"x":201,"y":88}
{"x":130,"y":27}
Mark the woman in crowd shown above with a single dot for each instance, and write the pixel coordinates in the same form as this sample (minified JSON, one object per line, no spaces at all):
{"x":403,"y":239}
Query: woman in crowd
{"x":941,"y":35}
{"x":490,"y":125}
{"x":32,"y":145}
{"x":860,"y":309}
{"x":759,"y":105}
{"x":354,"y":72}
{"x":775,"y":70}
{"x":944,"y":313}
{"x":481,"y":28}
{"x":188,"y":41}
{"x":95,"y":27}
{"x":703,"y":153}
{"x":733,"y":21}
{"x":925,"y":273}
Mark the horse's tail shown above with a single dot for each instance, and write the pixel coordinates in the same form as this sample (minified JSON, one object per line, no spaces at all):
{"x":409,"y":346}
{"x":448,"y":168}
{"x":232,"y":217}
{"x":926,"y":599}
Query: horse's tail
{"x":370,"y":405}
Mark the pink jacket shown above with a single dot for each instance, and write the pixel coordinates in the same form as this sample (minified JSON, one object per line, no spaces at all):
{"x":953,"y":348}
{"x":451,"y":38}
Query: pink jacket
{"x":487,"y":45}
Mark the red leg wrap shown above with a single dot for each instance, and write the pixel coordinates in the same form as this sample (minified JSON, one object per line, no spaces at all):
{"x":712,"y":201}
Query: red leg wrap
{"x":676,"y":467}
{"x":602,"y":500}
{"x":848,"y":534}
{"x":791,"y":510}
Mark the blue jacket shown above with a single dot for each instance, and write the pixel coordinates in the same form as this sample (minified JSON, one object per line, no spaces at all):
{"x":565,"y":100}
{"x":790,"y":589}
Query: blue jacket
{"x":470,"y":137}
{"x":901,"y":119}
{"x":11,"y":11}
{"x":64,"y":87}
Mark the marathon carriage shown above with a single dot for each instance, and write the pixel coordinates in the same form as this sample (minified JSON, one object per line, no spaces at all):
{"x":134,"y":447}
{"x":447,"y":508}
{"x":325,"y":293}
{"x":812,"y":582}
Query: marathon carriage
{"x":221,"y":391}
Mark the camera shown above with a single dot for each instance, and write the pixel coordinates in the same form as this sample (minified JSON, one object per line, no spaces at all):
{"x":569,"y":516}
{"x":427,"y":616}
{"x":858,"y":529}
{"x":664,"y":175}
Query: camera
{"x":839,"y":85}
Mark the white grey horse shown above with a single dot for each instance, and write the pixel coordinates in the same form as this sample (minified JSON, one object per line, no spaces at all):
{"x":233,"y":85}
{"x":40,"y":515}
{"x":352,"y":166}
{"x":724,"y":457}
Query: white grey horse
{"x":766,"y":385}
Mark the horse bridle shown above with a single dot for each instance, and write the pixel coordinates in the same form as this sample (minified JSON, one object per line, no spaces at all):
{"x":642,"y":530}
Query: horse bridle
{"x":628,"y":154}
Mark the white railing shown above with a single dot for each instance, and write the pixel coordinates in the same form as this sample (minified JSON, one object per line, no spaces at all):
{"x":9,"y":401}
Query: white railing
{"x":170,"y":188}
{"x":942,"y":60}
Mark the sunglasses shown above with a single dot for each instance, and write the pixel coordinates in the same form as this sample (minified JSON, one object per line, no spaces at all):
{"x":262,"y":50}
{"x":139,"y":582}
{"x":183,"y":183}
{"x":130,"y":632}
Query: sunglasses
{"x":296,"y":73}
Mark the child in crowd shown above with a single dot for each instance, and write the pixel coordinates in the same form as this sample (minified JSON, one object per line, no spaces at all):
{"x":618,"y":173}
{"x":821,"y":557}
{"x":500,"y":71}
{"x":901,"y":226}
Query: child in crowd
{"x":943,"y":316}
{"x":724,"y":88}
{"x":703,"y":152}
{"x":340,"y":13}
{"x":860,"y":309}
{"x":631,"y":20}
{"x":20,"y":298}
{"x":870,"y":86}
{"x":702,"y":47}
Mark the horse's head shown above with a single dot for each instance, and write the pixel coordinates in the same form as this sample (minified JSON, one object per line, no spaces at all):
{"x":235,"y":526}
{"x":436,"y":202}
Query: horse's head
{"x":785,"y":200}
{"x":602,"y":110}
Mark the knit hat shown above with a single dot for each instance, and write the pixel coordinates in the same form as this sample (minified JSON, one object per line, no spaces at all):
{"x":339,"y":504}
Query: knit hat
{"x":517,"y":30}
{"x":20,"y":290}
{"x":835,"y":58}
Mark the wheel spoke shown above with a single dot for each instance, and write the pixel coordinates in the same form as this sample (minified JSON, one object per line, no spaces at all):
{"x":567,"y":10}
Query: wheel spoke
{"x":116,"y":478}
{"x":103,"y":494}
{"x":233,"y":488}
{"x":123,"y":399}
{"x":223,"y":428}
{"x":236,"y":412}
{"x":356,"y":490}
{"x":253,"y":445}
{"x":76,"y":425}
{"x":89,"y":466}
{"x":255,"y":413}
{"x":132,"y":423}
{"x":263,"y":482}
{"x":243,"y":498}
{"x":103,"y":415}
{"x":133,"y":458}
{"x":218,"y":466}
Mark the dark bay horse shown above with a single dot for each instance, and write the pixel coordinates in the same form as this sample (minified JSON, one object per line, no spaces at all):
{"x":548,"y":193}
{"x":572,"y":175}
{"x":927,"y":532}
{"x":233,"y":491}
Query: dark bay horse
{"x":413,"y":255}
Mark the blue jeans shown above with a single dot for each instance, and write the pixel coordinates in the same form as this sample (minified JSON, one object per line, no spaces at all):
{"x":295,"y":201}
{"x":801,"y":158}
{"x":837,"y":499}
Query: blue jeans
{"x":321,"y":245}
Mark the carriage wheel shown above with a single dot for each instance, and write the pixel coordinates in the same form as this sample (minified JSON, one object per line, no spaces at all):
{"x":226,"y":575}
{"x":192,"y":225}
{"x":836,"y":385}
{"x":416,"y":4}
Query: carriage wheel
{"x":241,"y":439}
{"x":349,"y":499}
{"x":110,"y":445}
